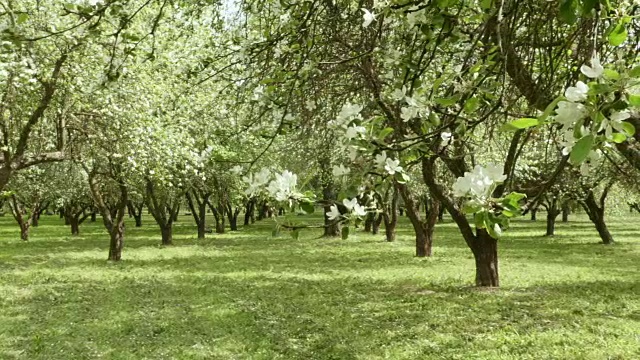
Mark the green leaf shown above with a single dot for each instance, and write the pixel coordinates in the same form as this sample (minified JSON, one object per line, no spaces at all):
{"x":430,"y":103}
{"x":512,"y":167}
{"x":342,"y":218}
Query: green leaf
{"x":598,"y":89}
{"x":635,"y":72}
{"x":470,"y":208}
{"x":568,"y":11}
{"x":384,"y":133}
{"x":550,"y":109}
{"x":345,"y":233}
{"x":611,"y":74}
{"x":307,"y":207}
{"x":401,"y":177}
{"x":634,"y":100}
{"x":581,"y":149}
{"x":434,"y":119}
{"x":618,"y":35}
{"x":485,"y":4}
{"x":513,"y":200}
{"x":471,"y":105}
{"x":618,"y":138}
{"x":446,"y":101}
{"x":588,"y":5}
{"x":525,"y":123}
{"x":628,"y":128}
{"x":22,"y":18}
{"x":479,"y":219}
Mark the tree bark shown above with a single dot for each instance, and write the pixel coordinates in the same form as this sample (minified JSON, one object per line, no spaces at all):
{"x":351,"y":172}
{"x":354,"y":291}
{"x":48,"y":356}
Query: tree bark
{"x":422,"y":228}
{"x":485,"y":252}
{"x":249,"y":214}
{"x":534,"y":213}
{"x":552,"y":215}
{"x":390,"y":216}
{"x":566,"y":210}
{"x":331,"y":228}
{"x":117,"y":241}
{"x":232,"y":215}
{"x":164,"y":211}
{"x":198,"y":210}
{"x":20,"y":214}
{"x":218,"y":215}
{"x":375,"y":227}
{"x":113,"y":220}
{"x":368,"y":222}
{"x":167,"y":234}
{"x":596,"y":215}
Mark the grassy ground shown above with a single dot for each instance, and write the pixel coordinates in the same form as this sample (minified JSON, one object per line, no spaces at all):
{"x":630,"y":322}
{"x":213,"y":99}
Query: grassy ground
{"x":248,"y":296}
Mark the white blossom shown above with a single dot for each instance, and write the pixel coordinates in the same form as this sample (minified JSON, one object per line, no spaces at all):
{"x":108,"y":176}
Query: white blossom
{"x":353,"y":131}
{"x":577,"y":93}
{"x":349,"y":111}
{"x":334,"y":213}
{"x":497,"y":229}
{"x":340,"y":170}
{"x":368,"y":17}
{"x":359,"y":210}
{"x":283,"y":186}
{"x":350,"y":204}
{"x":380,"y":160}
{"x":568,"y":113}
{"x":595,"y":70}
{"x":480,"y":182}
{"x":392,"y":166}
{"x":446,"y":137}
{"x":408,"y":113}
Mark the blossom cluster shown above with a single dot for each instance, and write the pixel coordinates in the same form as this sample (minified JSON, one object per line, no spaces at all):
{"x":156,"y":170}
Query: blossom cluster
{"x":572,"y":112}
{"x":479,"y":183}
{"x":282,"y":187}
{"x":352,"y":206}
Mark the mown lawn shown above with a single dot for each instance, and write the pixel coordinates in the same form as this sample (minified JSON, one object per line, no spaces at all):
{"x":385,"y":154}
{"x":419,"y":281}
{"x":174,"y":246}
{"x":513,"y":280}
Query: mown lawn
{"x":246,"y":295}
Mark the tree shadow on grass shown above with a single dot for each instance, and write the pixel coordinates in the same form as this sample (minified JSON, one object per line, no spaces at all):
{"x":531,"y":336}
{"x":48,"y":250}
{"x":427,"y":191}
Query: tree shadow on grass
{"x":267,"y":316}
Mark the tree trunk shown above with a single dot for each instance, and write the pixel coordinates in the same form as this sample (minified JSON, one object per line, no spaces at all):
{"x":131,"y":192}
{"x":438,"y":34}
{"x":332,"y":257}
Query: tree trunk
{"x":35,"y":216}
{"x":176,"y":214}
{"x":199,"y":213}
{"x":202,"y":220}
{"x":220,"y":225}
{"x":24,"y":232}
{"x":167,"y":234}
{"x":75,"y":225}
{"x":422,"y":228}
{"x":331,"y":228}
{"x":233,"y":218}
{"x":117,"y":241}
{"x":485,"y":252}
{"x":390,"y":216}
{"x":483,"y":247}
{"x":375,"y":227}
{"x":94,"y":215}
{"x":390,"y":232}
{"x":551,"y":224}
{"x":552,"y":215}
{"x":424,"y":244}
{"x":596,"y":215}
{"x":249,"y":217}
{"x":534,"y":213}
{"x":368,"y":221}
{"x":566,"y":210}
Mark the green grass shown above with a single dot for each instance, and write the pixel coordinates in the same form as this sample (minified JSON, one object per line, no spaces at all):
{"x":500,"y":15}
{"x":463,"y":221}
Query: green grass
{"x":248,"y":296}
